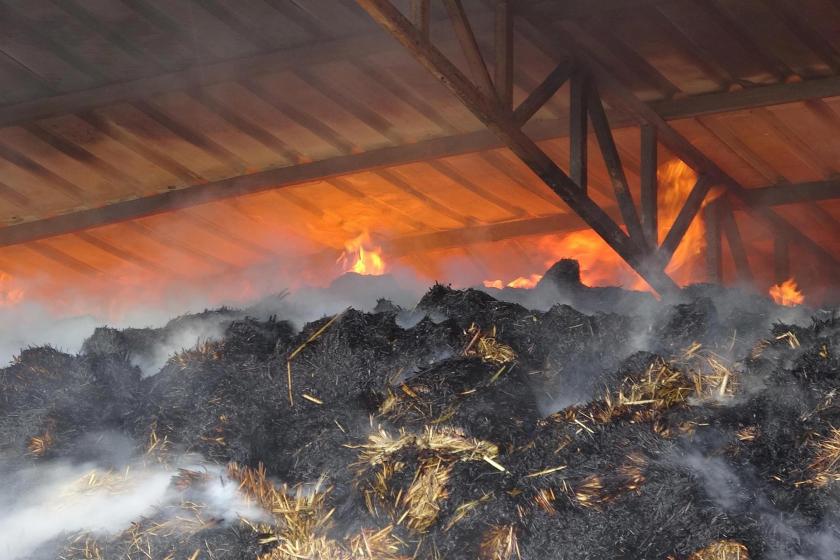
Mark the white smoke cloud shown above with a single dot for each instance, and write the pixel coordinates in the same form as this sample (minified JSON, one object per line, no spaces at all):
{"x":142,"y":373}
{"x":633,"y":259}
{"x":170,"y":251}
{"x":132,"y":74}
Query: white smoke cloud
{"x":41,"y":503}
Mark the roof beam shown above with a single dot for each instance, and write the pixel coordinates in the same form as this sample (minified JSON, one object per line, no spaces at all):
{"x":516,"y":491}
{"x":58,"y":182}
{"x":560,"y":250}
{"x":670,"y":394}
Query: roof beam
{"x":778,"y":195}
{"x":760,"y":96}
{"x":472,"y":235}
{"x":345,"y":165}
{"x":372,"y":43}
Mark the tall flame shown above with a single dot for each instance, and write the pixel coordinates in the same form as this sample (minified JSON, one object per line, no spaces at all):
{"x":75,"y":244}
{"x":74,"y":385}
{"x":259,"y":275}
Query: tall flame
{"x":361,"y":260}
{"x":600,"y":265}
{"x":787,"y":293}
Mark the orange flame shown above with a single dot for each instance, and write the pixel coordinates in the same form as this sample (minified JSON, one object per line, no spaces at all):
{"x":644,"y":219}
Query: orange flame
{"x":600,"y":265}
{"x":366,"y":261}
{"x":787,"y":293}
{"x":9,"y":295}
{"x":521,"y":282}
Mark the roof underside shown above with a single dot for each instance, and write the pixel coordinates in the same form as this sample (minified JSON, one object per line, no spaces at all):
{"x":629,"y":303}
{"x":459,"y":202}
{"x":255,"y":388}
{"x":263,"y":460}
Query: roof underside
{"x":200,"y":137}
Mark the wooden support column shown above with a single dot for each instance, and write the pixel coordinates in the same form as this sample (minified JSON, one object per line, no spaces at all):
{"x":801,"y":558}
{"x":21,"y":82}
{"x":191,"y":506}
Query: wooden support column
{"x":714,"y":248}
{"x":781,"y":259}
{"x":649,"y":186}
{"x":736,"y":244}
{"x":504,"y":52}
{"x":487,"y":109}
{"x":421,"y":16}
{"x":578,"y":130}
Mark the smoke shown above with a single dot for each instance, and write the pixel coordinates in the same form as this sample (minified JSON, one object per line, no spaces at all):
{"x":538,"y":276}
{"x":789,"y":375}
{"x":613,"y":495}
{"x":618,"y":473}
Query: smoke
{"x":790,"y":535}
{"x":45,"y":502}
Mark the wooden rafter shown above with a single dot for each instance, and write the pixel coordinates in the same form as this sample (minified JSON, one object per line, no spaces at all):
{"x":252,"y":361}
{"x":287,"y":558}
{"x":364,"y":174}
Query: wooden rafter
{"x":540,"y":95}
{"x":620,"y":96}
{"x":500,"y":121}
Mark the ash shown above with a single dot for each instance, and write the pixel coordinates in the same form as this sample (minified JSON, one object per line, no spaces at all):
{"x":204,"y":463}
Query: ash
{"x":563,"y":422}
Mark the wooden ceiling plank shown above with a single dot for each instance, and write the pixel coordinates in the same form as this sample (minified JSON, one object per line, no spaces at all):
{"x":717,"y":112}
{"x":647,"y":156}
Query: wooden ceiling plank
{"x":450,"y":172}
{"x":704,"y":60}
{"x":721,"y":132}
{"x":724,"y":20}
{"x":354,"y":107}
{"x":250,"y":128}
{"x":193,"y":137}
{"x":62,"y":258}
{"x":411,"y":98}
{"x":78,"y":153}
{"x":153,"y":155}
{"x":521,"y":177}
{"x":800,"y":148}
{"x":301,"y":118}
{"x":629,"y":58}
{"x":349,"y":189}
{"x":50,"y":178}
{"x":399,"y":183}
{"x":124,"y":254}
{"x":791,"y":17}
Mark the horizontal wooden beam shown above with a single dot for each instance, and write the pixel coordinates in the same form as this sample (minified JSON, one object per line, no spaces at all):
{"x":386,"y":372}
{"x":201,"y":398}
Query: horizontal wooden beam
{"x":751,"y":98}
{"x":472,"y":235}
{"x":344,"y":165}
{"x":265,"y":180}
{"x":778,"y":195}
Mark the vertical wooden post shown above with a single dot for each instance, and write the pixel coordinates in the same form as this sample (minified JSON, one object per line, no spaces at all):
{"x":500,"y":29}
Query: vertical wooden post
{"x":781,"y":259}
{"x":736,"y":244}
{"x":420,"y":16}
{"x":578,"y":130}
{"x":504,"y":52}
{"x":714,"y":248}
{"x":649,"y":186}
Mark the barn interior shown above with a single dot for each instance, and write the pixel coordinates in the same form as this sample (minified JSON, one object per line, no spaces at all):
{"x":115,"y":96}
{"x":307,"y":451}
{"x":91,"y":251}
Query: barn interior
{"x":188,"y":154}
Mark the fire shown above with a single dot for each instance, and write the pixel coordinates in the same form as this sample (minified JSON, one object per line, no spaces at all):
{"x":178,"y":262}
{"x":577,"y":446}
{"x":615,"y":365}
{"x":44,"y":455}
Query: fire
{"x":521,"y":282}
{"x":9,"y":295}
{"x":676,"y":179}
{"x":600,"y":265}
{"x":361,"y":260}
{"x":787,"y":293}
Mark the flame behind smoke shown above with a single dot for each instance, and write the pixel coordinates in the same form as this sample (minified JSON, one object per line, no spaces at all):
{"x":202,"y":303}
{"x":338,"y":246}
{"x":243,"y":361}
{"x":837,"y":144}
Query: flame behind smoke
{"x":787,"y":293}
{"x":9,"y":294}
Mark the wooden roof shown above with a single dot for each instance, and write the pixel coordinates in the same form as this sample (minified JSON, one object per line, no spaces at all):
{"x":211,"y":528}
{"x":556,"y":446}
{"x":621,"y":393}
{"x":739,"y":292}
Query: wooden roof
{"x":194,"y":138}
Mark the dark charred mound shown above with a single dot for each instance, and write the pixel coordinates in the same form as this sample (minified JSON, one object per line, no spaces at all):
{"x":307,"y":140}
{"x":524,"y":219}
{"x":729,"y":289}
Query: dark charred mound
{"x":562,"y":283}
{"x":484,"y":430}
{"x":149,"y":347}
{"x":220,"y":397}
{"x":49,"y":400}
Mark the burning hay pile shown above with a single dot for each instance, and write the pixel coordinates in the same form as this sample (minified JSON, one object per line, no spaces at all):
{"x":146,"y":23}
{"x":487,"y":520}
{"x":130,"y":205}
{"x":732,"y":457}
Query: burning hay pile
{"x":467,"y":427}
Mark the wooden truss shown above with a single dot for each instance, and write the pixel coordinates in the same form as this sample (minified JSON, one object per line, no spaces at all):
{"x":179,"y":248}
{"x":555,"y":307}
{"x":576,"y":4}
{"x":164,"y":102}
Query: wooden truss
{"x":489,"y":100}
